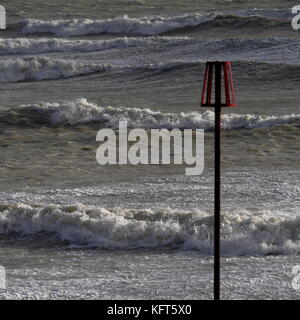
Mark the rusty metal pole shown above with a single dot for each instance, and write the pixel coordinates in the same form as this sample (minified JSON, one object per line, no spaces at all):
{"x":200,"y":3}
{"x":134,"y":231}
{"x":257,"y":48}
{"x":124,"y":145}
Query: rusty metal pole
{"x":217,"y":205}
{"x":216,"y":68}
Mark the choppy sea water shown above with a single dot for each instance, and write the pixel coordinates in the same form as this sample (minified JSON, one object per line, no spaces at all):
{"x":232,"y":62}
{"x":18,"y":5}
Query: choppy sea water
{"x":70,"y":228}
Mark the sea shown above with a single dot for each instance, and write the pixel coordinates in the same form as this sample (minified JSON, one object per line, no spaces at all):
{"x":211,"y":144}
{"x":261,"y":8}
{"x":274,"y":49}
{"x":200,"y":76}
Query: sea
{"x":71,"y":228}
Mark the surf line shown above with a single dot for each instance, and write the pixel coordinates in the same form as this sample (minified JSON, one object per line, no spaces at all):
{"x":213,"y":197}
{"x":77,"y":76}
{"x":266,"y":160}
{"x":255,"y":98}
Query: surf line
{"x":161,"y":146}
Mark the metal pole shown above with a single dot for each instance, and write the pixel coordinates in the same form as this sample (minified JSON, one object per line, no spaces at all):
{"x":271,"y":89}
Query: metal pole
{"x":217,"y":205}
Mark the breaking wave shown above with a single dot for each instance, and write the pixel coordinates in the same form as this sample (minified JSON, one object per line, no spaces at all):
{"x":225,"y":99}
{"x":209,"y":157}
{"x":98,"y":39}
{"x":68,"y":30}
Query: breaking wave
{"x":44,"y":68}
{"x":82,"y":111}
{"x":153,"y":25}
{"x":119,"y":25}
{"x":278,"y":50}
{"x":44,"y":45}
{"x":243,"y":233}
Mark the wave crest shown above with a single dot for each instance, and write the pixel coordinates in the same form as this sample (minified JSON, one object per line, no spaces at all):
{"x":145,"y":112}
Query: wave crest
{"x":119,"y":25}
{"x":153,"y":25}
{"x":82,"y":111}
{"x":242,"y":232}
{"x":44,"y":45}
{"x":44,"y":68}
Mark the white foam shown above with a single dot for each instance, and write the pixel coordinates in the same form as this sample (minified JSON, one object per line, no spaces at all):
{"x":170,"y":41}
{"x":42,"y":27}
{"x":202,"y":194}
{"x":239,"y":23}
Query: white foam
{"x":82,"y":111}
{"x":241,"y":49}
{"x":243,"y":232}
{"x":36,"y":68}
{"x":148,"y":25}
{"x":41,"y":68}
{"x":122,"y":25}
{"x":44,"y":45}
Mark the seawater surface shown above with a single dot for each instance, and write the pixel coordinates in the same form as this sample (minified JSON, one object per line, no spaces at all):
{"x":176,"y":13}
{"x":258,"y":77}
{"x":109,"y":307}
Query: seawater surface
{"x":70,"y":228}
